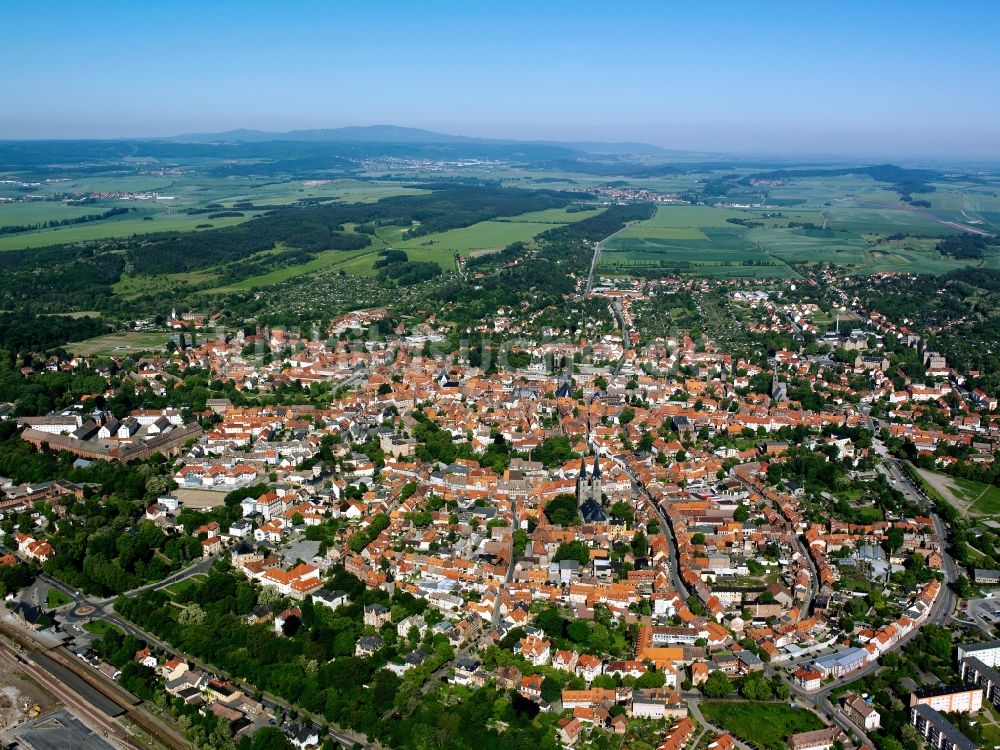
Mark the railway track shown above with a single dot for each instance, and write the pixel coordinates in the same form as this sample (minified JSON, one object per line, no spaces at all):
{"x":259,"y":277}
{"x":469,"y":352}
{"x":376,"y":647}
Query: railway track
{"x":130,"y":704}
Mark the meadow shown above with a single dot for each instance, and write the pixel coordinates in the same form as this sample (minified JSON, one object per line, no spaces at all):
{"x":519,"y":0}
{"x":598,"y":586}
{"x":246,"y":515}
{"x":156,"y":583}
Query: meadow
{"x":708,"y":241}
{"x":125,"y":225}
{"x":117,"y":344}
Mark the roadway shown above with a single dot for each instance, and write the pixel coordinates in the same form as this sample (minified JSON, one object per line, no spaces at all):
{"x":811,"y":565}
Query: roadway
{"x":593,"y":261}
{"x":672,"y":551}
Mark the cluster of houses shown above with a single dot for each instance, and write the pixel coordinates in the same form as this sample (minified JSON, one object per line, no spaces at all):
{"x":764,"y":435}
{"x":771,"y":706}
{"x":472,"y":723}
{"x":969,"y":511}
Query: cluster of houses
{"x":667,"y":456}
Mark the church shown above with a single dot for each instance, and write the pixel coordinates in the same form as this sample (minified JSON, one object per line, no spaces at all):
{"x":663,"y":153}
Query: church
{"x":588,"y":492}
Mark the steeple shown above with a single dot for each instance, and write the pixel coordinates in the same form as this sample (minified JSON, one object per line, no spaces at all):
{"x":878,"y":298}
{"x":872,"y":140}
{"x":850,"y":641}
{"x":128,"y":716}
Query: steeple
{"x":597,"y":466}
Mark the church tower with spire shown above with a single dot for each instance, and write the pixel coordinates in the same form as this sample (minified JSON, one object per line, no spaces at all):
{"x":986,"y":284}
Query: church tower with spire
{"x":589,"y":493}
{"x":581,"y":482}
{"x":595,"y":480}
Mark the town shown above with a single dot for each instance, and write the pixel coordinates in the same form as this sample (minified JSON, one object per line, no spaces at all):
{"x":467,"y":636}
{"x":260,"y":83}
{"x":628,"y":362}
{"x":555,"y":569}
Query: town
{"x":613,"y":526}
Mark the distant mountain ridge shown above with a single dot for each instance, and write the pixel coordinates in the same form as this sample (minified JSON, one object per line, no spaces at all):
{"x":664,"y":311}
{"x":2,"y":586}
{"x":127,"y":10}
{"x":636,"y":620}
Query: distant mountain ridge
{"x":403,"y":135}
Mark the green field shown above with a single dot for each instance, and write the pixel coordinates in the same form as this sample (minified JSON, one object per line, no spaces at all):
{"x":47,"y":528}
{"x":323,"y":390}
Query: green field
{"x":701,"y":240}
{"x":883,"y":219}
{"x":100,"y":627}
{"x":119,"y":226}
{"x":692,"y":239}
{"x":325,"y":261}
{"x":762,"y":724}
{"x":117,"y":344}
{"x":56,"y":598}
{"x":486,"y":235}
{"x":36,"y":212}
{"x":175,"y":589}
{"x":811,"y":245}
{"x":552,"y":216}
{"x":984,"y":498}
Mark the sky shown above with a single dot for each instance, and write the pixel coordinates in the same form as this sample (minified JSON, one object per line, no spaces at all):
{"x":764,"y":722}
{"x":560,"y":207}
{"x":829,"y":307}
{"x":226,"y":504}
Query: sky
{"x":873,"y":78}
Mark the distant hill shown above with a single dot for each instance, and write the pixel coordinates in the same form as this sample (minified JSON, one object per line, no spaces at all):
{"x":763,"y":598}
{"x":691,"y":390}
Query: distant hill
{"x":400,"y":135}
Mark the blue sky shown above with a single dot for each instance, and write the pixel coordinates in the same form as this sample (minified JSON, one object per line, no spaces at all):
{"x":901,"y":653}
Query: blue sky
{"x":854,"y":78}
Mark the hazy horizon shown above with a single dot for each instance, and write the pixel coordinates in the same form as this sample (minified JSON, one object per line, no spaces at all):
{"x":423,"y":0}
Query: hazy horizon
{"x":859,"y":80}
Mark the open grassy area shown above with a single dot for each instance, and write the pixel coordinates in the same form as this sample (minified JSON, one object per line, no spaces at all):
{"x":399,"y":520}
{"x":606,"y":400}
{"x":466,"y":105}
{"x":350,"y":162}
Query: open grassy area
{"x":175,"y":589}
{"x":968,"y":497}
{"x":325,"y":261}
{"x":985,"y":497}
{"x":480,"y":236}
{"x":762,"y":724}
{"x":123,"y":342}
{"x":56,"y":598}
{"x":553,"y":216}
{"x":100,"y":627}
{"x":116,"y":227}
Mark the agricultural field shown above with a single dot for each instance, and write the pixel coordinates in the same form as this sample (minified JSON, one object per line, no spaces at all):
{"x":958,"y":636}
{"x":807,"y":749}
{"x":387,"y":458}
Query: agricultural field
{"x":117,"y":344}
{"x":760,"y":724}
{"x":706,"y":241}
{"x":334,"y":260}
{"x":38,"y":212}
{"x":552,"y":216}
{"x":878,"y":219}
{"x":440,"y":247}
{"x":697,"y":239}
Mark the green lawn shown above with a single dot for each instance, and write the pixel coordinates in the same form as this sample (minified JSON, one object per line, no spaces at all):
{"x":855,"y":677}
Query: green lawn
{"x":177,"y":588}
{"x":763,"y":724}
{"x":57,"y":598}
{"x":985,"y":497}
{"x":100,"y":627}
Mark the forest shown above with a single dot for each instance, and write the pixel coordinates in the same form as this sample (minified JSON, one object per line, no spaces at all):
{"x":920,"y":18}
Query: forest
{"x":964,"y":246}
{"x":24,"y":331}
